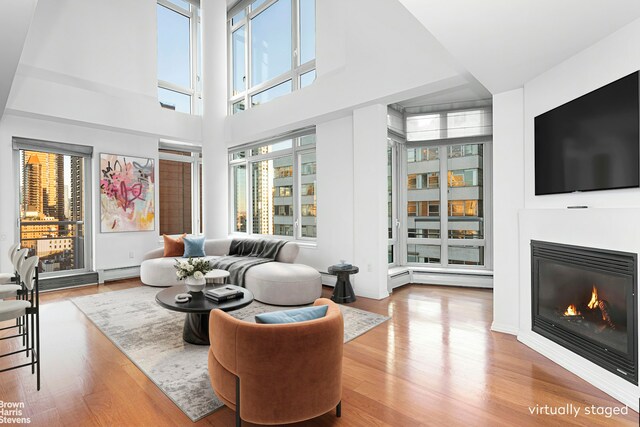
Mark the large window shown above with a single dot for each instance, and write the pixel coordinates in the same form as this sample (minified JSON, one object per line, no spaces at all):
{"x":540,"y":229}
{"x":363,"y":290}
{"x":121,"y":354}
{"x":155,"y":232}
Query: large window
{"x":53,"y":206}
{"x":179,"y":56}
{"x":273,"y":188}
{"x":443,"y":168}
{"x":271,"y":49}
{"x":180,"y":178}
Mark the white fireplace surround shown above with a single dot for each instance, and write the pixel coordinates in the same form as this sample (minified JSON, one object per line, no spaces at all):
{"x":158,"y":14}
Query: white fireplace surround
{"x":613,"y":229}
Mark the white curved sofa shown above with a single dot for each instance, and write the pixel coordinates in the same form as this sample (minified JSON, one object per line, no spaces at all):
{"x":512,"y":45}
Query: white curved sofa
{"x":280,"y":282}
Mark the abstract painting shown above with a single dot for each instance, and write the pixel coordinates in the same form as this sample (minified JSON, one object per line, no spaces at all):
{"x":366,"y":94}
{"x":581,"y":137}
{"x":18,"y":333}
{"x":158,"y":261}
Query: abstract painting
{"x":127,"y":199}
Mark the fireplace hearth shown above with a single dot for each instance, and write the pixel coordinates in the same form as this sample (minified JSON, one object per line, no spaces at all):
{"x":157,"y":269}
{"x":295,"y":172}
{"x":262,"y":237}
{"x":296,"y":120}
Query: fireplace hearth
{"x":585,"y":299}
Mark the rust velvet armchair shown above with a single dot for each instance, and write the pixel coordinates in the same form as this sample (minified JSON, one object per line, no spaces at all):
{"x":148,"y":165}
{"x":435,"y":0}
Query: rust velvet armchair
{"x":277,"y":373}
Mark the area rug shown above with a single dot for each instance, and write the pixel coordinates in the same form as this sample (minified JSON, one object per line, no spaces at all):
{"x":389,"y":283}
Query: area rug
{"x":151,"y":337}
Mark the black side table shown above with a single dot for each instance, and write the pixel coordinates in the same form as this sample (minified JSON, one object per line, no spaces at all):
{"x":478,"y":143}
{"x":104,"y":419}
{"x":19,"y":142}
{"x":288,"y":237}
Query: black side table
{"x":343,"y":292}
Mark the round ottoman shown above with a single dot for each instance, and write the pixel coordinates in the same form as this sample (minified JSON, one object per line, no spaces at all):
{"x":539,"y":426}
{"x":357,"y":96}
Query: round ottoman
{"x":281,"y":283}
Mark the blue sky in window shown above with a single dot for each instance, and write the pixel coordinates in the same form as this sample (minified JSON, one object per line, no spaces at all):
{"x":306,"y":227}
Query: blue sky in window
{"x":271,"y":42}
{"x":173,"y":47}
{"x":181,"y":101}
{"x":307,"y":30}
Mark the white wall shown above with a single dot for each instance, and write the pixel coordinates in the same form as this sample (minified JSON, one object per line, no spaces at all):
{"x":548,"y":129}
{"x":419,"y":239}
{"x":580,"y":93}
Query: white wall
{"x":609,"y":223}
{"x":370,"y":200}
{"x":15,"y":19}
{"x":336,"y":223}
{"x":87,"y":76}
{"x":508,"y":199}
{"x":214,"y":150}
{"x":610,"y":59}
{"x":111,"y":250}
{"x":359,"y":65}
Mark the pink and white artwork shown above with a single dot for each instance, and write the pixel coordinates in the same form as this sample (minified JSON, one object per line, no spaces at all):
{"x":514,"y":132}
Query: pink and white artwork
{"x":127,"y":197}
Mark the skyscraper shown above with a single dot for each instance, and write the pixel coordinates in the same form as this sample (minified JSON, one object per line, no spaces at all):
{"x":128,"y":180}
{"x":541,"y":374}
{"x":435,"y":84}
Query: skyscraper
{"x":76,"y":190}
{"x":51,"y":182}
{"x":32,"y":200}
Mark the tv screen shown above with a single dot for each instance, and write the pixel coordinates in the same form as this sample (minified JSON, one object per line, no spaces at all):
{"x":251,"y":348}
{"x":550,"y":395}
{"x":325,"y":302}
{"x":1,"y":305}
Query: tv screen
{"x":590,"y":143}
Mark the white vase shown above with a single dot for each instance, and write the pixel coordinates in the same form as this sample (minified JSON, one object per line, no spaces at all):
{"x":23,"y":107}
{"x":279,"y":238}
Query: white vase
{"x":195,"y":285}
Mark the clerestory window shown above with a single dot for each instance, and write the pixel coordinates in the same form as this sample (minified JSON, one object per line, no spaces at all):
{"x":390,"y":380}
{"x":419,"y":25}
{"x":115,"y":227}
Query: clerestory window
{"x":179,"y":56}
{"x":272,"y":50}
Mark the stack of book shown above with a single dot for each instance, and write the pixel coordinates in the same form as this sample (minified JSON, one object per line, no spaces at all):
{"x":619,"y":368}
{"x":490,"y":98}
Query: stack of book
{"x":224,"y":293}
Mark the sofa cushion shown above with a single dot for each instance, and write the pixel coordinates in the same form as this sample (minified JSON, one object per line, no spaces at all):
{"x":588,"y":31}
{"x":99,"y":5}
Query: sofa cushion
{"x":173,"y":246}
{"x":193,"y":246}
{"x":161,"y":272}
{"x":293,"y":316}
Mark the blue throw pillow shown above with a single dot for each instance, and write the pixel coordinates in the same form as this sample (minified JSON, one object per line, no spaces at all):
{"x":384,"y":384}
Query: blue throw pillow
{"x":193,"y":246}
{"x":293,"y":316}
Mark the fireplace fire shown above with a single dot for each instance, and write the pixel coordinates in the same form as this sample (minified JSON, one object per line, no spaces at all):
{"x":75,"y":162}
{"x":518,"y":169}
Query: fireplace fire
{"x":595,"y":308}
{"x":586,"y":300}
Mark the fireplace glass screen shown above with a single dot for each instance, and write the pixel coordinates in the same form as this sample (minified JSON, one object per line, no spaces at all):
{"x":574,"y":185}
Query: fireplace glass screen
{"x":589,"y":303}
{"x":585,"y":299}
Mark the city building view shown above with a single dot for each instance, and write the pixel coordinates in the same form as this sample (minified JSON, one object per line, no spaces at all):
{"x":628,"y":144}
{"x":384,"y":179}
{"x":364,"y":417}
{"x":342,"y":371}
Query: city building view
{"x":282,"y":188}
{"x":52,"y":209}
{"x":464,"y":201}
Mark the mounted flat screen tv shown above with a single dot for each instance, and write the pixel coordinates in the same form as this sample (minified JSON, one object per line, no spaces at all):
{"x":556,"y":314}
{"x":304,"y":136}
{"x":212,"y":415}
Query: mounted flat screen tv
{"x":590,"y":143}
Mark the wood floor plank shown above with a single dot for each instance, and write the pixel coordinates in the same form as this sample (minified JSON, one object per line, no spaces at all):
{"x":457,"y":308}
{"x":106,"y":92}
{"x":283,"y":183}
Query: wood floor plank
{"x":435,"y":362}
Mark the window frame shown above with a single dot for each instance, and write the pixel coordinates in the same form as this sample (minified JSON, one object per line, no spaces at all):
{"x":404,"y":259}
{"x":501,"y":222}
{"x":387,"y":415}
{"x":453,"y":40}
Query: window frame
{"x":293,"y":75}
{"x":195,"y":159}
{"x":296,"y":152}
{"x":444,"y":241}
{"x":195,"y":45}
{"x":66,"y":150}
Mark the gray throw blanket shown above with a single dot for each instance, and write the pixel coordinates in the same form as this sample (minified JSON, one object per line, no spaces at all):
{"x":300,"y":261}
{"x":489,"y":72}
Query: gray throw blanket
{"x":246,"y":253}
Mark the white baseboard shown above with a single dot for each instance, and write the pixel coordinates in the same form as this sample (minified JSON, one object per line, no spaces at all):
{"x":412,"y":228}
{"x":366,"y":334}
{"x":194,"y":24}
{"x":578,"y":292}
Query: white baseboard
{"x":505,"y":329}
{"x":614,"y":386}
{"x":118,"y":273}
{"x":469,"y":281}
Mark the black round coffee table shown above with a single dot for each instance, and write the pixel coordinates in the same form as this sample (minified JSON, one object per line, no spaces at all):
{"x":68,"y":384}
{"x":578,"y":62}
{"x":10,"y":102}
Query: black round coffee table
{"x":196,"y":323}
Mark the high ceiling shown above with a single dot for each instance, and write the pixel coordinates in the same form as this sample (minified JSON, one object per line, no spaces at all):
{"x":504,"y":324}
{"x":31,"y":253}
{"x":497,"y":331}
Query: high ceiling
{"x":506,"y":43}
{"x":15,"y":18}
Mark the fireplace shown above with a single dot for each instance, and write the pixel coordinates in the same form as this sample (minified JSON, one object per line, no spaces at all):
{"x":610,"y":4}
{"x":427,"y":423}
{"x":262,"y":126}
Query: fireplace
{"x":585,"y":299}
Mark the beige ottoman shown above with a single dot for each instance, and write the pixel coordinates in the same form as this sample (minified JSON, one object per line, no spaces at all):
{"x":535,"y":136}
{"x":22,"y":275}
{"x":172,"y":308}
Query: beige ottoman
{"x":280,"y":283}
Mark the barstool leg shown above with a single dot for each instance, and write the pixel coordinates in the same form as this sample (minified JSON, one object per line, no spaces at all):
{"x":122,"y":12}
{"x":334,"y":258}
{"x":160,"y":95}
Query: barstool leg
{"x":38,"y":357}
{"x":33,"y":353}
{"x":25,"y":330}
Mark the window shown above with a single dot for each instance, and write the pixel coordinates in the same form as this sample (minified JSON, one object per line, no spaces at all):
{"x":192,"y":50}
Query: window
{"x":53,"y":205}
{"x":445,"y":220}
{"x":273,"y":188}
{"x":180,"y":188}
{"x":179,"y":56}
{"x":271,"y":49}
{"x":392,"y":215}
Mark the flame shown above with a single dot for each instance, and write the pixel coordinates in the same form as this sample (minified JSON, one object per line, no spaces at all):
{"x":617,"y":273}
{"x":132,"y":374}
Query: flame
{"x":594,"y":298}
{"x":571,"y":311}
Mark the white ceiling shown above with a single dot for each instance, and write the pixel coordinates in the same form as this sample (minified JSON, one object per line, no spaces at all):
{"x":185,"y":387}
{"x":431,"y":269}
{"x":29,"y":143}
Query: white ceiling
{"x":506,"y":43}
{"x":15,"y":18}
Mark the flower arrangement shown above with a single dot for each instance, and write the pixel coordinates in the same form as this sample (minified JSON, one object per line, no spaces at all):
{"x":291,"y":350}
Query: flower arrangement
{"x":192,"y":267}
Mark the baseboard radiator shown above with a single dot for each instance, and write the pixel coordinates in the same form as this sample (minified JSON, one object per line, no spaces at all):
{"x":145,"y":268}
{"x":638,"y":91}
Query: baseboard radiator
{"x":109,"y":274}
{"x":73,"y":280}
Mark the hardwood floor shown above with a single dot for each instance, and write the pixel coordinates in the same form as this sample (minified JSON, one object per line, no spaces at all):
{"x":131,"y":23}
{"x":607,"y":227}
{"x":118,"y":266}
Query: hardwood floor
{"x":434,"y":363}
